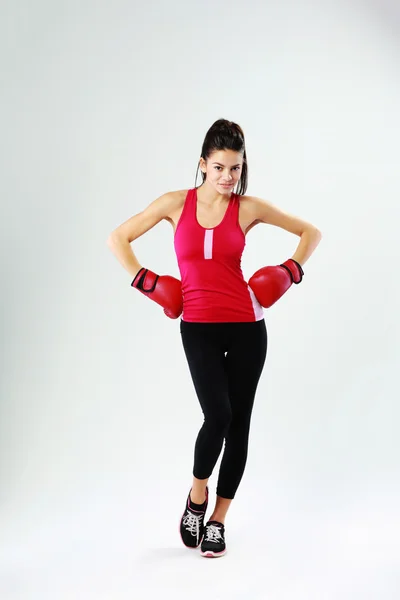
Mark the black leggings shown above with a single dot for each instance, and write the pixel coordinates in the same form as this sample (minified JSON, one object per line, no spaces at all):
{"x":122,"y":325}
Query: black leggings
{"x":225,"y":362}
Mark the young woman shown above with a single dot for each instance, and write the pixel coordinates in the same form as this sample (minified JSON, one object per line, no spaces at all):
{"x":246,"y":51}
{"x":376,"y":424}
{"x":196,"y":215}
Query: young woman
{"x":222,"y":325}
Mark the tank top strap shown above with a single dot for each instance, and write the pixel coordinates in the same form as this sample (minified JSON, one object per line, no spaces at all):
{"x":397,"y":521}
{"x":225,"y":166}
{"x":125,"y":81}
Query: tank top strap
{"x":232,"y":215}
{"x":189,"y":207}
{"x":191,"y":201}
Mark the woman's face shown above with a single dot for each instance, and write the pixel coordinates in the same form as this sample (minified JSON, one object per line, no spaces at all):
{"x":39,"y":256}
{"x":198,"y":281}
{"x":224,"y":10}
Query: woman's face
{"x":223,"y":170}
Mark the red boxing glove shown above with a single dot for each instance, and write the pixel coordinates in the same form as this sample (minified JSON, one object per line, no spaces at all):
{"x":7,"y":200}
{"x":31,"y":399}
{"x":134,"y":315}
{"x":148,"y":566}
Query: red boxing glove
{"x":270,"y":283}
{"x":163,"y":289}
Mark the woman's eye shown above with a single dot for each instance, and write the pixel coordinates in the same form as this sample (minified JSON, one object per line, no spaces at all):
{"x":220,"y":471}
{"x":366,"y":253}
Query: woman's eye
{"x":236,"y":168}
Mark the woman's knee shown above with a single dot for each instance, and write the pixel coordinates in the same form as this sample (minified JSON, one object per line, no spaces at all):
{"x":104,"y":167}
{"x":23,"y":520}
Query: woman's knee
{"x":220,"y":423}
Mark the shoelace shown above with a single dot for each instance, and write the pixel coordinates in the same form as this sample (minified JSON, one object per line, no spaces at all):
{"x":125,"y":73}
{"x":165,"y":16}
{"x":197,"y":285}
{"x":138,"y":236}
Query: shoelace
{"x":213,"y":533}
{"x":192,"y":523}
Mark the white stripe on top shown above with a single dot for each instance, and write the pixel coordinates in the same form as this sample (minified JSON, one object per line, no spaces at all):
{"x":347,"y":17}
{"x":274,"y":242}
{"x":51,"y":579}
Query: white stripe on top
{"x":208,"y":243}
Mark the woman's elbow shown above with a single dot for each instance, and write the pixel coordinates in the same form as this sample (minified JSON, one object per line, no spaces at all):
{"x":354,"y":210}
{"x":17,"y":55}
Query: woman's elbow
{"x":112,"y":239}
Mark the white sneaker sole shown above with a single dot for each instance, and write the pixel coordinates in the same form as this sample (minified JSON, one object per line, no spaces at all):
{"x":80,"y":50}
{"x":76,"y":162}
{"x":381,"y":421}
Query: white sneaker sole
{"x":211,"y":554}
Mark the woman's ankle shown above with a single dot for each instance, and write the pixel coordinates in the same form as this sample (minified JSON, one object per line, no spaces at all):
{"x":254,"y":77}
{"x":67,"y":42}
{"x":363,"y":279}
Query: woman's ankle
{"x":217,"y":517}
{"x":197,"y":499}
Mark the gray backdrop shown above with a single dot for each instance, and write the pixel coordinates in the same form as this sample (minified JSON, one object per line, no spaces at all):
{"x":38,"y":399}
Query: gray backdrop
{"x":104,"y":108}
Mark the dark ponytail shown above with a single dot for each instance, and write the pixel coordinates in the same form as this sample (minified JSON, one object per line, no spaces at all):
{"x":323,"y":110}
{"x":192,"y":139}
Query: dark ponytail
{"x":225,"y":135}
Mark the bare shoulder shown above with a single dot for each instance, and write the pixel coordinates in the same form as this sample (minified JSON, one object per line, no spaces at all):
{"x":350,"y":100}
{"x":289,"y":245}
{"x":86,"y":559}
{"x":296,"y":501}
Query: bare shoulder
{"x":174,"y":203}
{"x":161,"y":208}
{"x":247,"y":203}
{"x":169,"y":201}
{"x":177,"y":198}
{"x":253,"y":204}
{"x":263,"y":211}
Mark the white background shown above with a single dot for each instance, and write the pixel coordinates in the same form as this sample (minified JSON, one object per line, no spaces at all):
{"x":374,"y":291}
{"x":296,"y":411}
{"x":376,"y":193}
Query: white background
{"x":104,"y":108}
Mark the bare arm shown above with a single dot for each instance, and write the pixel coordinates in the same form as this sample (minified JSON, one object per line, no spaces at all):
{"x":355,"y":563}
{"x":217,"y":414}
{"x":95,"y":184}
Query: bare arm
{"x":119,"y":240}
{"x":265,"y":212}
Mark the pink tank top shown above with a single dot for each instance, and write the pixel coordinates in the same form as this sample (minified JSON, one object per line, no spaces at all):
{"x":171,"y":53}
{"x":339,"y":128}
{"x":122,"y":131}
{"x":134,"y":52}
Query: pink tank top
{"x":209,"y":261}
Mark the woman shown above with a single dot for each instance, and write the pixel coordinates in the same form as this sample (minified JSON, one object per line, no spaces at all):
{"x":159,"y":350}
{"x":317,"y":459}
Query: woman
{"x":222,"y":326}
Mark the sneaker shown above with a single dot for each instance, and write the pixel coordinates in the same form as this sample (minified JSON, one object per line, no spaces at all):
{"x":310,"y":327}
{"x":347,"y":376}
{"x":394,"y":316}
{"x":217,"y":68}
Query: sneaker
{"x":192,"y":523}
{"x":213,"y":543}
